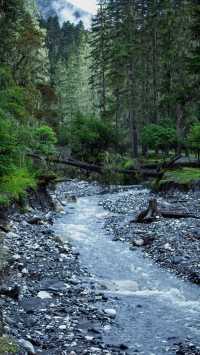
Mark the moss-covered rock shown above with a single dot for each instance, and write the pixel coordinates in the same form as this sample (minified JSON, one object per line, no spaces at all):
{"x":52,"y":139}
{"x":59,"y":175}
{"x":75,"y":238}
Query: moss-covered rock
{"x":7,"y":346}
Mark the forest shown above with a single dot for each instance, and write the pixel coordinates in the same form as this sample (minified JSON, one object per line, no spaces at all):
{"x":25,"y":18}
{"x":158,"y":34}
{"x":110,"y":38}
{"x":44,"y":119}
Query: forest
{"x":125,"y":91}
{"x":99,"y":177}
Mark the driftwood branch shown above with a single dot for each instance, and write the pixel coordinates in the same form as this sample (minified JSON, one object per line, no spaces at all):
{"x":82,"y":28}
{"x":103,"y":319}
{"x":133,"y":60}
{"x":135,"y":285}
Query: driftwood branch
{"x":164,"y":167}
{"x":178,"y":214}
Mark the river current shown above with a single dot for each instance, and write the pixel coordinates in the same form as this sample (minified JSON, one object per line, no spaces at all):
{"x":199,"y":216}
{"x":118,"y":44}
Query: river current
{"x":155,"y":309}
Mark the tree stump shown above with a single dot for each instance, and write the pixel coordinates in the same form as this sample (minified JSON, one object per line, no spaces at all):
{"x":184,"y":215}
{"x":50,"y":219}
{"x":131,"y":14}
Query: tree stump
{"x":150,"y":214}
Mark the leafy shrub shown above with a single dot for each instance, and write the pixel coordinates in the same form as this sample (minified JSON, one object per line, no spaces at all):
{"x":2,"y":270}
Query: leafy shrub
{"x":7,"y":144}
{"x":156,"y":137}
{"x":6,"y":79}
{"x":14,"y":185}
{"x":129,"y":164}
{"x":13,"y":102}
{"x":18,"y":134}
{"x":13,"y":99}
{"x":45,"y":140}
{"x":194,"y":138}
{"x":90,"y":137}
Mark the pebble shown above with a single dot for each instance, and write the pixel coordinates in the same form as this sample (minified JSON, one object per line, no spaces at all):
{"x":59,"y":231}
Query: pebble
{"x":12,"y":235}
{"x":44,"y":295}
{"x":16,"y":257}
{"x":138,"y":242}
{"x":27,"y":345}
{"x":24,"y":271}
{"x":89,"y":338}
{"x":107,"y":328}
{"x":110,"y":312}
{"x":167,"y":246}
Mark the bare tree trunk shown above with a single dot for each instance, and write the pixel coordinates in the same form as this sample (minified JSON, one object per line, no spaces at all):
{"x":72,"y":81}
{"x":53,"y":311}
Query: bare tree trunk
{"x":117,"y":113}
{"x":179,"y":127}
{"x":103,"y":103}
{"x":103,"y":76}
{"x":133,"y":134}
{"x":155,"y":69}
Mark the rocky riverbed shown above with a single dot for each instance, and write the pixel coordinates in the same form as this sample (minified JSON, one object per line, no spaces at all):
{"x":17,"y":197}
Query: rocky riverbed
{"x":156,"y":312}
{"x":50,"y":302}
{"x":46,"y":304}
{"x":173,"y":243}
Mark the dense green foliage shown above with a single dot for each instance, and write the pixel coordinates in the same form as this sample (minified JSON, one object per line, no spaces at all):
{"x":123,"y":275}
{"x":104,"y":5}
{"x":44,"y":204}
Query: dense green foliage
{"x":105,"y":96}
{"x":159,"y":137}
{"x":89,"y":138}
{"x":184,"y":178}
{"x":146,"y":67}
{"x":194,"y":138}
{"x":22,"y":70}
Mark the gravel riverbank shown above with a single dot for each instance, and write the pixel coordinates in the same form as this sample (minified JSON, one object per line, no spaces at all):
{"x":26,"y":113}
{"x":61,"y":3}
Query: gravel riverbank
{"x":173,"y":243}
{"x":48,"y":302}
{"x":110,"y":260}
{"x":47,"y":306}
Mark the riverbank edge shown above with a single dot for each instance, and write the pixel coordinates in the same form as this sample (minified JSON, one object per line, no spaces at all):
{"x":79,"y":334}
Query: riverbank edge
{"x":169,"y":186}
{"x":38,"y":197}
{"x":48,"y":200}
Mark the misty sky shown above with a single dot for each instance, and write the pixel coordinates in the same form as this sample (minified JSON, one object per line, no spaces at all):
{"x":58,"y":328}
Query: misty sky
{"x":88,"y":5}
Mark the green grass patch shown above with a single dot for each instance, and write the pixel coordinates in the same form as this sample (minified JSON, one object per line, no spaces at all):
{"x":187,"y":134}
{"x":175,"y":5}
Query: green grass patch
{"x":151,"y":161}
{"x":15,"y":185}
{"x":182,"y":176}
{"x":182,"y":179}
{"x":7,"y":346}
{"x":153,"y":158}
{"x":128,"y":164}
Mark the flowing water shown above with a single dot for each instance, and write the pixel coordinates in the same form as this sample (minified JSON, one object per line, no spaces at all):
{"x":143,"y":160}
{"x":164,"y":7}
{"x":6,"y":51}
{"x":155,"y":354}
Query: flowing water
{"x":155,"y":309}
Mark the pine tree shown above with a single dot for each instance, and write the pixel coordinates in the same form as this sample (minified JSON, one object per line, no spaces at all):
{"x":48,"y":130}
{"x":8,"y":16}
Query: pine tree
{"x":194,"y":57}
{"x":99,"y":44}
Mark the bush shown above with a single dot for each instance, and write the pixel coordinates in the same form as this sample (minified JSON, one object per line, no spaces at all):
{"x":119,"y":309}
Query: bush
{"x":6,"y":79}
{"x":13,"y":102}
{"x":157,"y":137}
{"x":18,"y":135}
{"x":45,"y":140}
{"x":14,"y":185}
{"x":7,"y":145}
{"x":90,"y":137}
{"x":193,"y":138}
{"x":13,"y":98}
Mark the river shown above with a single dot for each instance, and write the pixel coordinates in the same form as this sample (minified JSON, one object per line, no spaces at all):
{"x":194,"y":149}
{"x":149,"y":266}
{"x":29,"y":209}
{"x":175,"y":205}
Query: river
{"x":155,"y":310}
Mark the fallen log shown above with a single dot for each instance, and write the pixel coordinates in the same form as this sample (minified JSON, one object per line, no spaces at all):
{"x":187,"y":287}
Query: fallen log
{"x":176,"y":165}
{"x":140,"y":171}
{"x":153,"y":213}
{"x":69,"y":161}
{"x":95,"y":168}
{"x":178,"y":214}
